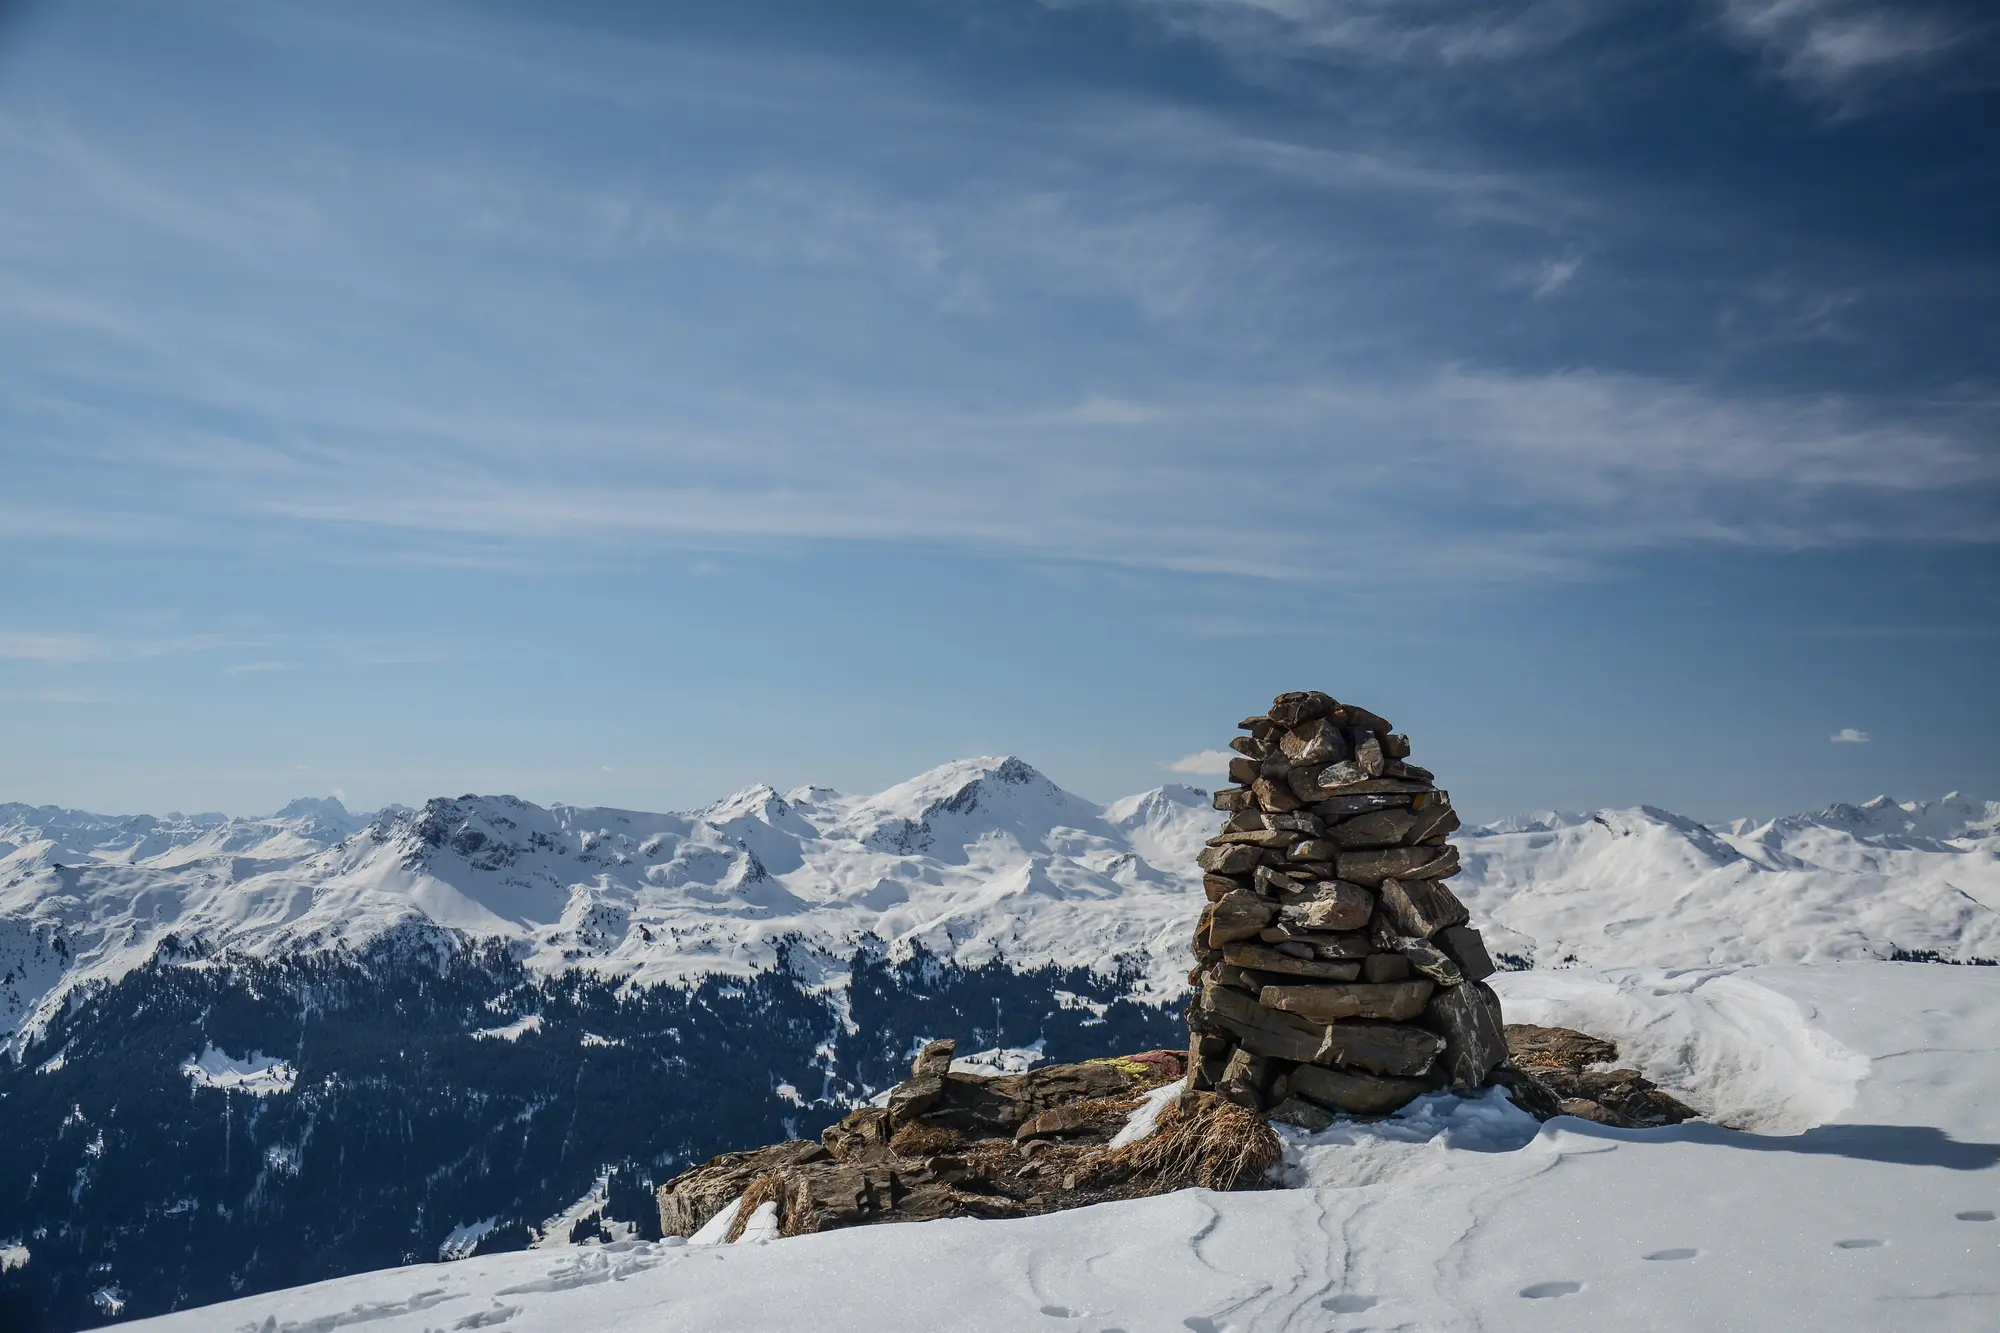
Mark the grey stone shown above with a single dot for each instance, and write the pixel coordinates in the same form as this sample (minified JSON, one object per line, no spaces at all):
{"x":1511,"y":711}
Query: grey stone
{"x":1468,"y":950}
{"x":1296,"y":1110}
{"x":1400,"y":1001}
{"x":1403,"y":863}
{"x":1378,"y":828}
{"x":912,"y":1097}
{"x":1355,"y":1092}
{"x":1396,"y":745}
{"x":1381,"y":967}
{"x":1250,"y":983}
{"x":1435,"y":821}
{"x":1332,"y":905}
{"x":1367,"y":751}
{"x":1233,"y":799}
{"x":1276,"y":840}
{"x":1273,"y":882}
{"x":1294,"y":707}
{"x":934,"y":1060}
{"x":1312,"y":849}
{"x":1474,"y":1042}
{"x":1246,"y":820}
{"x":1259,"y":958}
{"x":1420,"y":907}
{"x":1276,"y":795}
{"x":1229,"y":860}
{"x":1249,"y":746}
{"x":1334,"y":809}
{"x":1430,"y":960}
{"x":1238,"y":916}
{"x":1354,"y":715}
{"x":690,"y":1199}
{"x":1330,"y":945}
{"x":1243,"y":770}
{"x":1316,"y":740}
{"x":1217,"y":885}
{"x":1058,"y":1122}
{"x":1380,"y":1048}
{"x":1260,"y":1030}
{"x":1253,"y":1069}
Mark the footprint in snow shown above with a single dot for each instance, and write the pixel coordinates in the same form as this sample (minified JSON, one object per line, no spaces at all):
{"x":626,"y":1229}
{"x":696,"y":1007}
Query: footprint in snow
{"x":1975,"y":1215}
{"x":1058,"y":1312}
{"x":1348,"y":1303}
{"x":1542,"y":1291}
{"x":1681,"y":1252}
{"x":1858,"y":1243}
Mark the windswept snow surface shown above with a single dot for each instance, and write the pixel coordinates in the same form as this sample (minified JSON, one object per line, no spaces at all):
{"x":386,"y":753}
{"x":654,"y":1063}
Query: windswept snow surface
{"x":1453,"y":1216}
{"x":976,"y":860}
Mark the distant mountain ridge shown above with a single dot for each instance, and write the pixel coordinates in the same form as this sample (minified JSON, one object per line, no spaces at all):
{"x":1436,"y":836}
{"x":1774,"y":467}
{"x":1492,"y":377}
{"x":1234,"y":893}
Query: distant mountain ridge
{"x":978,"y":859}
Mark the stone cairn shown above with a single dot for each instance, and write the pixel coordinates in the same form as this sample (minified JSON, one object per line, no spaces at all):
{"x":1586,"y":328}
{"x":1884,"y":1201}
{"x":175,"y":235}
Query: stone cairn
{"x":1337,"y":973}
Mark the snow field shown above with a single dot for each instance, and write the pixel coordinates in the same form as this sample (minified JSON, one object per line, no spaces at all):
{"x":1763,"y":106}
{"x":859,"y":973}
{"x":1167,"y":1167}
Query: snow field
{"x":1452,"y":1216}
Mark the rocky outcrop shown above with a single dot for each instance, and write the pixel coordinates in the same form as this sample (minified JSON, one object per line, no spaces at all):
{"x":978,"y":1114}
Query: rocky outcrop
{"x":1570,"y":1068}
{"x":955,"y":1144}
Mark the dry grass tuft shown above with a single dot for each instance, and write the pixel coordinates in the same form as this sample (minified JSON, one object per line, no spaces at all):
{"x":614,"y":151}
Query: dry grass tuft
{"x":918,"y":1139}
{"x":782,"y":1188}
{"x":1200,"y":1141}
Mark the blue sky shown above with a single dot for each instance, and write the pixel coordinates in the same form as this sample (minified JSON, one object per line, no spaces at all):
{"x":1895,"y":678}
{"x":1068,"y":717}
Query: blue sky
{"x":622,"y":404}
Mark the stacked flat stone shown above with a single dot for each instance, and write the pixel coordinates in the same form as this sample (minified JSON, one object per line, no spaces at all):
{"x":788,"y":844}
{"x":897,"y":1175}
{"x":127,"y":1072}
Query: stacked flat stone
{"x":1337,"y":973}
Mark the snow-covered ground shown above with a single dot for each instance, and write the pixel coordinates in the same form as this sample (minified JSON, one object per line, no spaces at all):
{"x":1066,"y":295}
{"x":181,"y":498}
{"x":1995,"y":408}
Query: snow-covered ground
{"x":258,"y":1074}
{"x":1857,"y":1190}
{"x":976,"y":859}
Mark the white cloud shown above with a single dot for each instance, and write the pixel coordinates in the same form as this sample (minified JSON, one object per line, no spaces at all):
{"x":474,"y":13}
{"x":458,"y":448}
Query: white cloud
{"x":1849,"y":736}
{"x":1555,"y":275}
{"x":1836,"y":48}
{"x":248,"y":668}
{"x":1379,"y":30}
{"x":64,"y":649}
{"x":1203,"y":761}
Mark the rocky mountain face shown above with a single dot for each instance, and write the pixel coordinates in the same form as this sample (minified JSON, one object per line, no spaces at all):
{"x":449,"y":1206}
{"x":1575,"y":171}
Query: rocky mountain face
{"x":249,"y":1053}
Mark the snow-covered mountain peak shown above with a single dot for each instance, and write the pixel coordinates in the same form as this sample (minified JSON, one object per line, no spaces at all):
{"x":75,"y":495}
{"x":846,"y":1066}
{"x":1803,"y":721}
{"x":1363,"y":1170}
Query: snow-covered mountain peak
{"x":957,"y":805}
{"x":976,"y":859}
{"x":1951,"y":817}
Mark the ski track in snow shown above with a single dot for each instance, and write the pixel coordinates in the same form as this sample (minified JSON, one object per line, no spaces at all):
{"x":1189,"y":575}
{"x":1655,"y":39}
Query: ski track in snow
{"x":1452,"y":1216}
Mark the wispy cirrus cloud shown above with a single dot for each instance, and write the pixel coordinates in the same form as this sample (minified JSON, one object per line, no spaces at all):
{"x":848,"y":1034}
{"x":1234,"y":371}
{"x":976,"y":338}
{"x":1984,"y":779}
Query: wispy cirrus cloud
{"x":1380,"y":30}
{"x":1100,"y":319}
{"x":66,"y":648}
{"x":1840,"y":49}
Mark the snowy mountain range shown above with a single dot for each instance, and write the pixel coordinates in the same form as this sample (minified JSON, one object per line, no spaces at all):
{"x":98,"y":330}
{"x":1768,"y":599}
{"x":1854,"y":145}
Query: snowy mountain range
{"x":976,"y":860}
{"x":252,"y":1053}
